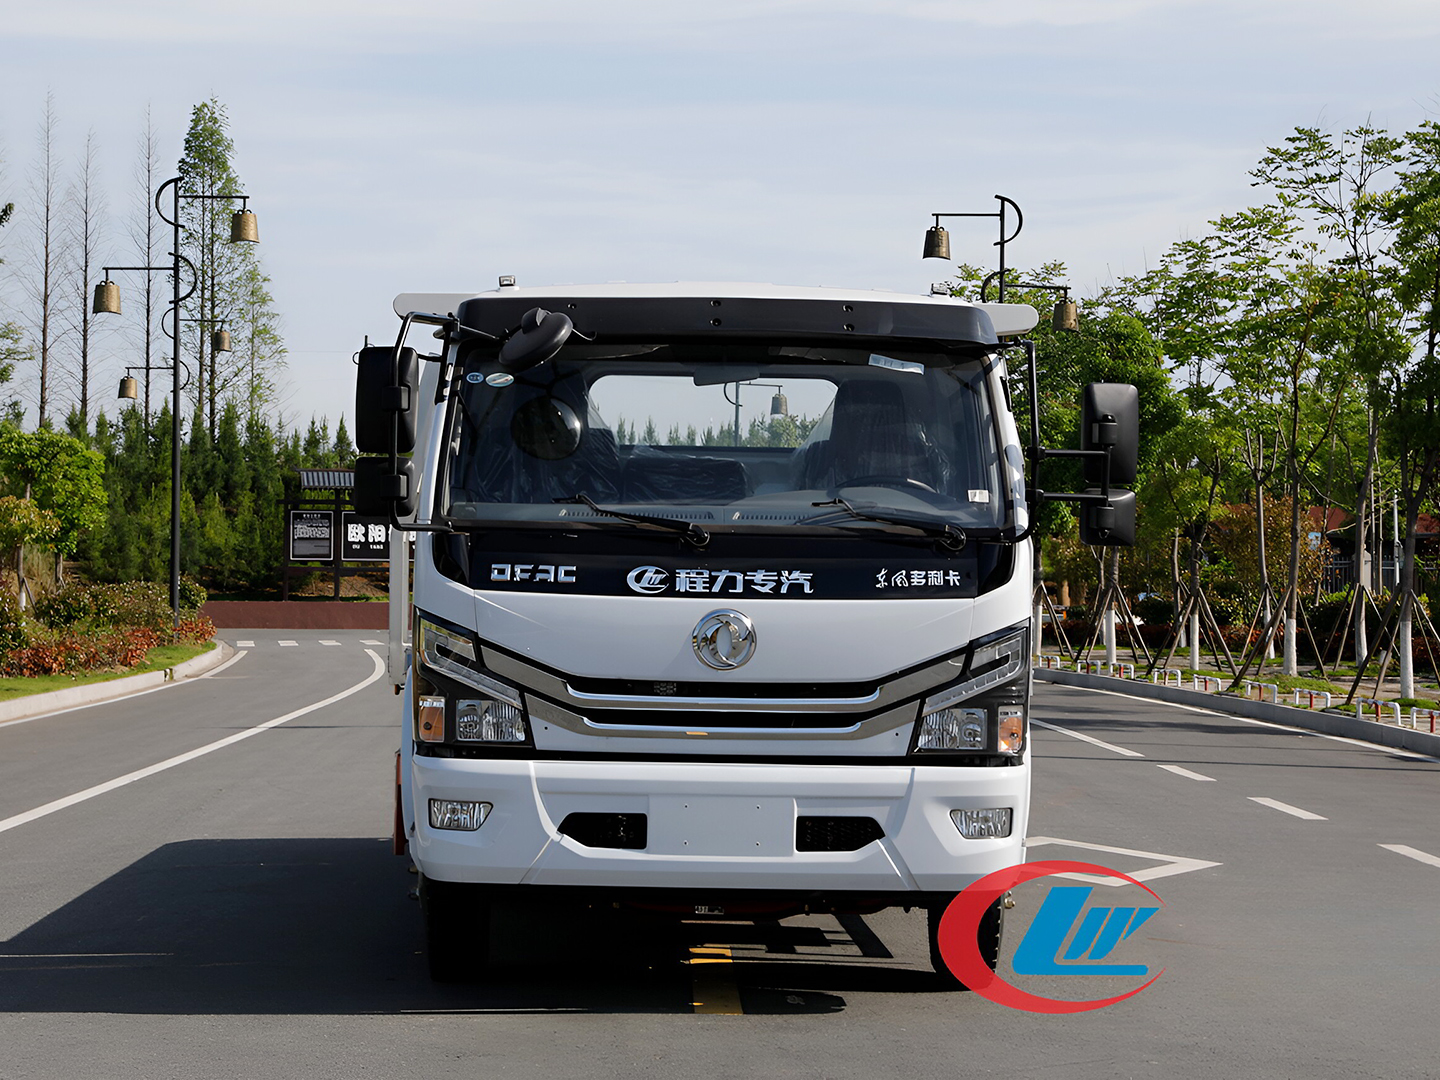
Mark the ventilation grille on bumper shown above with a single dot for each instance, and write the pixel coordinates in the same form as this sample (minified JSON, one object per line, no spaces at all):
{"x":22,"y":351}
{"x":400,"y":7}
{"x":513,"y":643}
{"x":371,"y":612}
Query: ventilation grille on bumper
{"x":835,"y":833}
{"x":606,"y":830}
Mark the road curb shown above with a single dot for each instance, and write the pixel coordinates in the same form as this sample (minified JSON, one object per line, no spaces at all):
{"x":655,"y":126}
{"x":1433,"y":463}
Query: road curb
{"x":1327,"y":723}
{"x":34,"y":705}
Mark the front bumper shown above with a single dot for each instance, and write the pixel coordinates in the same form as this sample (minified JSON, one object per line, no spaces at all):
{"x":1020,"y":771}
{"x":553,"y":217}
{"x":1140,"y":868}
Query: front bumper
{"x":716,"y":825}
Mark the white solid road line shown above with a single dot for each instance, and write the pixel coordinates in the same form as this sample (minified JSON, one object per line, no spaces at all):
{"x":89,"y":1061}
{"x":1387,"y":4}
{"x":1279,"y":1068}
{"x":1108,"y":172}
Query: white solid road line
{"x":1413,"y":853}
{"x":180,"y":759}
{"x":1276,"y":804}
{"x":1178,"y":771}
{"x":1090,"y":739}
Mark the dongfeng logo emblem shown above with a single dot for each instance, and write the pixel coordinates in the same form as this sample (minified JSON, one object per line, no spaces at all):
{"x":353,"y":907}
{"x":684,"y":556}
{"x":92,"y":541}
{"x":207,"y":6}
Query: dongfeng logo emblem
{"x":724,"y":640}
{"x":647,"y":579}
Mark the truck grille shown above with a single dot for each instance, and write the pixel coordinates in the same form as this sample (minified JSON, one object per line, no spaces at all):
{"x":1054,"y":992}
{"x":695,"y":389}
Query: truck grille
{"x":835,"y":833}
{"x":607,"y":830}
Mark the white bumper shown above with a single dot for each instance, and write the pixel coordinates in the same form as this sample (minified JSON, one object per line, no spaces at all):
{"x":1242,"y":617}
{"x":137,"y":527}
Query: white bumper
{"x":715,"y":825}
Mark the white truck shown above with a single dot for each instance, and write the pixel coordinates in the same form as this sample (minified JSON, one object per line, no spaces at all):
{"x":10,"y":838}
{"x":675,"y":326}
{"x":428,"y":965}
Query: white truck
{"x":666,"y":656}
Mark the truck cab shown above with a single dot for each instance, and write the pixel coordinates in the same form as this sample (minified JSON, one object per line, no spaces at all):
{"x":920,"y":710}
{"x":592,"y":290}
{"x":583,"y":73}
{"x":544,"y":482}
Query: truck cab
{"x":671,"y":650}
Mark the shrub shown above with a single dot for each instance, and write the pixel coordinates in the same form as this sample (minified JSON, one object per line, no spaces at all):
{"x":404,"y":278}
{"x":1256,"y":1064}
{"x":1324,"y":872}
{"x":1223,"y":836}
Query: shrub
{"x":57,"y":653}
{"x":1153,"y":609}
{"x":12,"y":625}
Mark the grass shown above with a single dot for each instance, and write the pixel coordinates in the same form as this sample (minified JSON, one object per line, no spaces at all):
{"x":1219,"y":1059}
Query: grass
{"x":157,"y":659}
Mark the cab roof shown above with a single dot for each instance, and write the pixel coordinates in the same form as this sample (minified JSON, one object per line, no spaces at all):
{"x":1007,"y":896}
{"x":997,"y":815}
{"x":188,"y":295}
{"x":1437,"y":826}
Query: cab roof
{"x":734,"y":309}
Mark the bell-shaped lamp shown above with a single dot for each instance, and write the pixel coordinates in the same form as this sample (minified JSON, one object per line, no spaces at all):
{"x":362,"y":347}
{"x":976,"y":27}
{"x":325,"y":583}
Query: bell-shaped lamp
{"x":220,"y":341}
{"x":937,"y":243}
{"x":129,"y":390}
{"x":1066,"y":316}
{"x":107,"y":298}
{"x":243,"y":226}
{"x":779,"y":406}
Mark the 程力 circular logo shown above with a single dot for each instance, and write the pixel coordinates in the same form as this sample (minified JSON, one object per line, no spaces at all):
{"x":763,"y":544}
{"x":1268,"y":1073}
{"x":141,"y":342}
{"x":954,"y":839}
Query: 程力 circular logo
{"x":648,"y":579}
{"x":1069,"y":936}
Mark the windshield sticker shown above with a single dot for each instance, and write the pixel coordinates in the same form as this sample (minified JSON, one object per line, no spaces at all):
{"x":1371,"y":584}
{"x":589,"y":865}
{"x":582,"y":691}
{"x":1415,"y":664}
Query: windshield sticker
{"x":908,"y":366}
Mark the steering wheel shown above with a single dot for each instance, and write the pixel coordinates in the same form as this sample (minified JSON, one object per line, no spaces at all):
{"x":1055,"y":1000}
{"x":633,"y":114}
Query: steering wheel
{"x":884,"y":480}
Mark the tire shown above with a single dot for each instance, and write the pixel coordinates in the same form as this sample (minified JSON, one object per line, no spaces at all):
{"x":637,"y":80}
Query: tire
{"x":987,"y":937}
{"x":457,"y":929}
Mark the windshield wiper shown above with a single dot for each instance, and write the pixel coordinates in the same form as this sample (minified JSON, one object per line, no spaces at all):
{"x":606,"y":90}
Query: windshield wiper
{"x":692,"y":532}
{"x":951,"y":537}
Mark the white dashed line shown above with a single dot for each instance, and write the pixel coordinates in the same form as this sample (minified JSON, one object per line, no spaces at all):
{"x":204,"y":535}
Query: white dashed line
{"x":1276,"y":804}
{"x":1413,"y":853}
{"x":329,"y":643}
{"x":1090,"y":739}
{"x":284,"y":643}
{"x":367,"y":641}
{"x":244,"y":644}
{"x":1178,"y":771}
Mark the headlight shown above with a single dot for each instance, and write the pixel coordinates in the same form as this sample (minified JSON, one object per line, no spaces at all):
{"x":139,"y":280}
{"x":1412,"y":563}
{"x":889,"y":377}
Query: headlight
{"x":480,"y":709}
{"x":985,"y":712}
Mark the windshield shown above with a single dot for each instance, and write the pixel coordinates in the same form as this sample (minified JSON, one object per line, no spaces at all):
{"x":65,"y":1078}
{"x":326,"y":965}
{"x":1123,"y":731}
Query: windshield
{"x":746,"y":437}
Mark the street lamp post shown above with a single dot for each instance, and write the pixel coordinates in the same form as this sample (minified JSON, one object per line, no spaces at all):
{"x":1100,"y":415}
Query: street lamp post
{"x":243,"y":228}
{"x":937,"y":240}
{"x":1065,"y":315}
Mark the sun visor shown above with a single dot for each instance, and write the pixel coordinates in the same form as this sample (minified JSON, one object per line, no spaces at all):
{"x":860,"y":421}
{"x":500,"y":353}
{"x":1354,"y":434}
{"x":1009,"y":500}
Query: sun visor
{"x":1011,"y":319}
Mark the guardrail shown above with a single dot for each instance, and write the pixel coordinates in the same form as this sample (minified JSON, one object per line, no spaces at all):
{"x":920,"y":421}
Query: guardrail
{"x":1379,"y":708}
{"x":1429,"y":714}
{"x":1157,"y":676}
{"x":1310,"y":697}
{"x":1202,"y":683}
{"x":1259,"y":689}
{"x":1051,"y":661}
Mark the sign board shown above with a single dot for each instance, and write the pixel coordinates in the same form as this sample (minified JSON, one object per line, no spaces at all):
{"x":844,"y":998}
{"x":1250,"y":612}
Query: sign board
{"x":364,"y":539}
{"x":312,"y":535}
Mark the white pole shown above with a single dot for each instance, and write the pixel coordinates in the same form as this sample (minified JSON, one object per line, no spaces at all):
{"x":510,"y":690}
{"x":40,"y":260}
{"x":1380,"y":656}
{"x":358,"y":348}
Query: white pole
{"x":1195,"y":638}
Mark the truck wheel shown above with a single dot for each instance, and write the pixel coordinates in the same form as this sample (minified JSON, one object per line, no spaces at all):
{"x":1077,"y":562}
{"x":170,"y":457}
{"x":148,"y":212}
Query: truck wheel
{"x":457,"y":929}
{"x":987,"y":937}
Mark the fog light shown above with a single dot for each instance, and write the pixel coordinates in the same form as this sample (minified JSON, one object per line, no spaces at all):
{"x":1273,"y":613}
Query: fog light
{"x":952,"y":729}
{"x":430,"y":718}
{"x":984,"y":824}
{"x":1012,"y":729}
{"x":456,"y":815}
{"x":485,"y":720}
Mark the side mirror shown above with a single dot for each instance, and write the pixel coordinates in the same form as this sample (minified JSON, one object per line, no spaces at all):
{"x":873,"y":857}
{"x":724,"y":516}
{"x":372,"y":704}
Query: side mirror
{"x":1110,"y":417}
{"x":379,"y":492}
{"x":386,"y":387}
{"x":1110,"y":524}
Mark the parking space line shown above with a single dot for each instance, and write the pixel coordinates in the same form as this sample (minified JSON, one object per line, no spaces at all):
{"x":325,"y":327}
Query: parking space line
{"x":1286,"y":808}
{"x":1090,"y":739}
{"x":712,"y":992}
{"x":1413,"y":853}
{"x":1178,"y":771}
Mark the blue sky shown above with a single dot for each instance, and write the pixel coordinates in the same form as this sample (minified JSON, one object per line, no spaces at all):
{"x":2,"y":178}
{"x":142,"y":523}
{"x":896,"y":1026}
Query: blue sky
{"x":436,"y":146}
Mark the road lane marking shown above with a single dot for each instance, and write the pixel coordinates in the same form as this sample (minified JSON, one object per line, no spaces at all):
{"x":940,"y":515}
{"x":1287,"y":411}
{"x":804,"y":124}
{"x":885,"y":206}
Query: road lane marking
{"x":1413,"y":853}
{"x":28,"y":816}
{"x":1169,"y":865}
{"x":1178,"y":771}
{"x":244,"y":644}
{"x":329,"y":643}
{"x":284,"y":644}
{"x":1090,"y":739}
{"x":367,"y":641}
{"x":712,"y":992}
{"x":126,"y":697}
{"x":1276,"y":804}
{"x":1396,"y":750}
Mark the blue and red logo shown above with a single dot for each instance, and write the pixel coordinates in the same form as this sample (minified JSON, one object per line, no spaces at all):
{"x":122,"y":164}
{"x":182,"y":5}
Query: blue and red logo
{"x":1064,"y":939}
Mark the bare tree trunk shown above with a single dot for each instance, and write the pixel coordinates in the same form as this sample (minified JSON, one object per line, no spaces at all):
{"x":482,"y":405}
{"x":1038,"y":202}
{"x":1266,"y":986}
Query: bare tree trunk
{"x":47,"y":253}
{"x":85,"y":212}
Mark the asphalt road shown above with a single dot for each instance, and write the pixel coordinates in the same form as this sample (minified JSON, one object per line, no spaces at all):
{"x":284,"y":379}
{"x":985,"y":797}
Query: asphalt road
{"x":238,"y":912}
